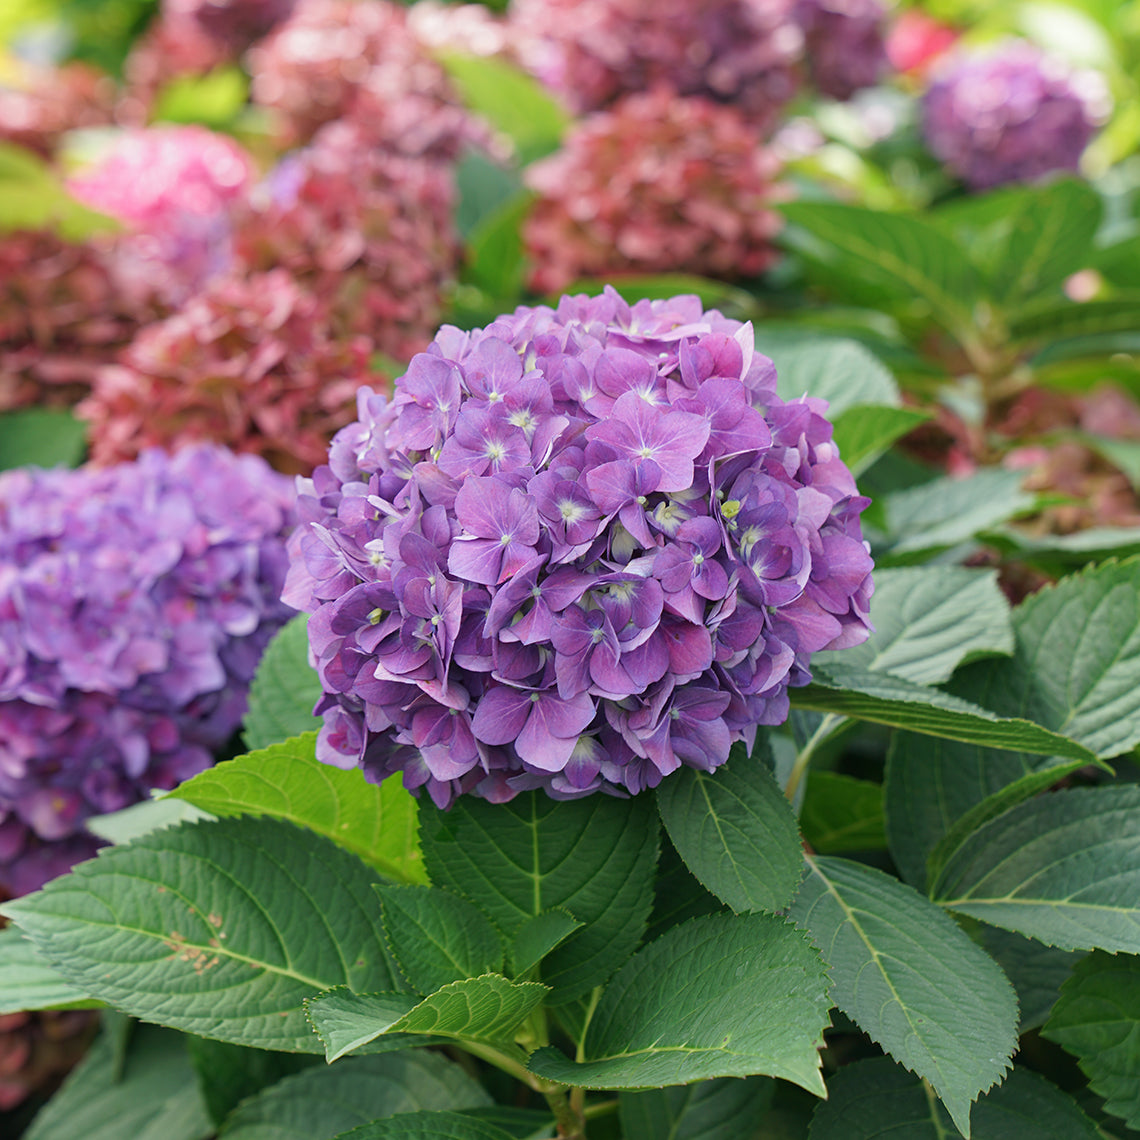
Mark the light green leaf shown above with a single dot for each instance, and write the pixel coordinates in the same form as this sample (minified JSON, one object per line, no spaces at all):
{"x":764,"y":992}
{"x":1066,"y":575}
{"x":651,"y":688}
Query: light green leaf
{"x":1063,"y":868}
{"x":214,"y":99}
{"x":1120,"y":263}
{"x":156,"y":1098}
{"x":841,"y":813}
{"x":142,"y":818}
{"x":735,"y":830}
{"x":220,"y":928}
{"x":286,"y":781}
{"x":483,"y":186}
{"x":927,"y":620}
{"x":863,"y":432}
{"x":27,"y":982}
{"x":1097,"y":1019}
{"x":438,"y":937}
{"x":489,"y":1008}
{"x":883,"y":698}
{"x":722,"y":996}
{"x":1062,"y":553}
{"x":33,"y":197}
{"x":724,"y":1109}
{"x":427,"y":1126}
{"x":511,"y":101}
{"x":284,"y":689}
{"x":842,"y":372}
{"x":322,"y":1103}
{"x":41,"y":437}
{"x":594,"y":856}
{"x":911,"y":979}
{"x":538,"y":936}
{"x":875,"y":1099}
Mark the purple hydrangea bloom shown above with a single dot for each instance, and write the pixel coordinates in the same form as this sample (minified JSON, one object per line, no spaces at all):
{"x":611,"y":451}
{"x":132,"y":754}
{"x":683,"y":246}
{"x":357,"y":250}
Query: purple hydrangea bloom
{"x":1009,"y":115}
{"x":577,"y":549}
{"x":844,"y":43}
{"x":135,"y":602}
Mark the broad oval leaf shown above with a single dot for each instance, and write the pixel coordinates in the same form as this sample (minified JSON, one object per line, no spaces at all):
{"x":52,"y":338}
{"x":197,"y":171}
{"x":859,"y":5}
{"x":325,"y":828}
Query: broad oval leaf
{"x":428,"y":1126}
{"x":735,"y":830}
{"x":1063,"y":868}
{"x":287,"y":781}
{"x":538,"y":936}
{"x":911,"y":979}
{"x":863,"y":432}
{"x":228,"y":1074}
{"x":842,"y":372}
{"x":725,"y":1109}
{"x":28,"y":982}
{"x":221,"y":928}
{"x":284,"y":689}
{"x":41,"y":437}
{"x":721,"y":996}
{"x":842,"y":813}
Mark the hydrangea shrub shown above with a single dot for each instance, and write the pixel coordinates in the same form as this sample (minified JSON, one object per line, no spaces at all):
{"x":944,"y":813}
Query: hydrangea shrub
{"x":577,"y":549}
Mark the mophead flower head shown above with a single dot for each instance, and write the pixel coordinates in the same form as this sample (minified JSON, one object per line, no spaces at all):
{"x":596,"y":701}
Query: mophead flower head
{"x":1011,"y":114}
{"x":135,"y":602}
{"x":577,"y":549}
{"x":44,"y":103}
{"x":844,"y":44}
{"x":657,"y":183}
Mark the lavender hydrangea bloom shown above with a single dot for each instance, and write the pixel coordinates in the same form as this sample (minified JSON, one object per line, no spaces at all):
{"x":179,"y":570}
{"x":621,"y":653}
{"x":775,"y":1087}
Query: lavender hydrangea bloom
{"x":577,"y":549}
{"x":1009,"y":115}
{"x":135,"y":602}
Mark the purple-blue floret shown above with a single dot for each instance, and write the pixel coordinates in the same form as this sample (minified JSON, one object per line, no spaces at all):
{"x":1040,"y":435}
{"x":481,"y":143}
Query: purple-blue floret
{"x":577,"y":549}
{"x":135,"y":602}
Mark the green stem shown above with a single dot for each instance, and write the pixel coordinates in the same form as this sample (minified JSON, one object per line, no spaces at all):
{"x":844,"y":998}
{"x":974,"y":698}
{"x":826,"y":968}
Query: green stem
{"x":512,"y":1061}
{"x":602,"y":1108}
{"x":569,"y":1117}
{"x":826,"y":727}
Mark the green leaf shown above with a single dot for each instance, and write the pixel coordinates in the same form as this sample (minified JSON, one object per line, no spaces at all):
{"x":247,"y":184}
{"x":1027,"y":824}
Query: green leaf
{"x":677,"y":894}
{"x":511,"y":101}
{"x":538,"y":936}
{"x":864,"y":431}
{"x":1061,"y":553}
{"x":842,"y":372}
{"x":286,"y":781}
{"x":1097,"y":1019}
{"x":927,"y":620}
{"x":1124,"y":454}
{"x":841,"y":813}
{"x":227,"y":1074}
{"x":1120,"y":263}
{"x":483,"y":186}
{"x":156,"y":1098}
{"x":883,"y":698}
{"x":735,"y":830}
{"x":873,"y":256}
{"x":142,"y":818}
{"x":875,"y":1099}
{"x":214,"y":99}
{"x":1059,"y":320}
{"x":438,"y":937}
{"x":946,"y":512}
{"x":221,"y":928}
{"x":427,"y":1126}
{"x":521,"y":1123}
{"x":33,"y":197}
{"x":725,"y":1109}
{"x":661,"y":286}
{"x":27,"y":982}
{"x":41,"y":437}
{"x":1063,"y":868}
{"x":284,"y":689}
{"x":911,"y":979}
{"x":495,"y":260}
{"x":322,"y":1103}
{"x":722,"y":996}
{"x":489,"y":1008}
{"x":594,"y":856}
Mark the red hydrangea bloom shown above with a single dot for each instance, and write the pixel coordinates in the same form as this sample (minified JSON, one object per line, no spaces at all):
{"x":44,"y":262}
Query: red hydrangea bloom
{"x":657,"y":184}
{"x":579,"y":548}
{"x":135,"y":602}
{"x":47,"y":102}
{"x":248,"y":362}
{"x":370,"y":234}
{"x":844,"y":45}
{"x":743,"y":52}
{"x":916,"y":40}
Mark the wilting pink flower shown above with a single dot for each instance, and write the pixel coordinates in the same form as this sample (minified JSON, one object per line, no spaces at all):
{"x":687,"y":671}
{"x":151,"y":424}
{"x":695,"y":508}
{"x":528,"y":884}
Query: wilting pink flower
{"x":625,"y":577}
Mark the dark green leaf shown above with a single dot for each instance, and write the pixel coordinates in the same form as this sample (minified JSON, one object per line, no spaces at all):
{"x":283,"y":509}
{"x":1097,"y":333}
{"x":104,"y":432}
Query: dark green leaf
{"x":438,"y":937}
{"x":724,"y":1109}
{"x":27,"y":981}
{"x":284,"y":689}
{"x":722,"y":996}
{"x":1060,"y":320}
{"x":345,"y":1020}
{"x":221,"y":928}
{"x":1120,"y":263}
{"x":538,"y":936}
{"x":227,"y":1074}
{"x":325,"y":1102}
{"x":864,"y":431}
{"x":157,"y":1097}
{"x":496,"y":262}
{"x":427,"y":1126}
{"x":841,"y":372}
{"x":735,"y":830}
{"x":286,"y":781}
{"x":40,"y":437}
{"x":593,"y":856}
{"x":911,"y":979}
{"x":1097,"y":1019}
{"x":521,"y":1123}
{"x":677,"y":894}
{"x":841,"y":813}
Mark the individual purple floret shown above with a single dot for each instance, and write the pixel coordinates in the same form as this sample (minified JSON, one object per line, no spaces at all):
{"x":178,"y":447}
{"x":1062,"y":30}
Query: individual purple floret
{"x":577,"y":549}
{"x":844,"y":44}
{"x":1009,"y":115}
{"x":135,"y":602}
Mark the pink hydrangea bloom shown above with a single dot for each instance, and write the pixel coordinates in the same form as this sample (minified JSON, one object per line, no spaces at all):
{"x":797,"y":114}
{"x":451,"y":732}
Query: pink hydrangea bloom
{"x":657,"y":184}
{"x":46,"y":102}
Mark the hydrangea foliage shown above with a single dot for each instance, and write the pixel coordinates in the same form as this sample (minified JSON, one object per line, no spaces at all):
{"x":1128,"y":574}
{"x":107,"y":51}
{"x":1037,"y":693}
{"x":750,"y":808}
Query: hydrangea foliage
{"x":577,"y":549}
{"x":134,"y":605}
{"x":1011,"y":114}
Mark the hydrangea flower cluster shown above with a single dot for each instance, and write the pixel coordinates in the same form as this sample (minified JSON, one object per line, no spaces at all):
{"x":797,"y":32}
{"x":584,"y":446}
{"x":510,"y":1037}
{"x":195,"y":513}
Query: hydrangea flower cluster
{"x":1009,"y":115}
{"x":46,"y":102}
{"x":175,"y":188}
{"x":235,"y":23}
{"x":743,"y":52}
{"x":845,"y":48}
{"x":248,"y":362}
{"x":134,"y":605}
{"x":656,"y":184}
{"x":579,"y":548}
